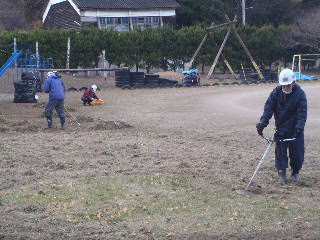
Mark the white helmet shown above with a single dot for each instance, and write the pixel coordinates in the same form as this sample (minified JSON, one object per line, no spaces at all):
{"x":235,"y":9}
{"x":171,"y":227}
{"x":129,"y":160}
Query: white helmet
{"x":286,"y":77}
{"x":94,"y":87}
{"x":50,"y":74}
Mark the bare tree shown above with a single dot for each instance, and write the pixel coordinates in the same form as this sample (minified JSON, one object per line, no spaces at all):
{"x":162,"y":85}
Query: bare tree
{"x":12,"y":15}
{"x":20,"y":14}
{"x":306,"y":30}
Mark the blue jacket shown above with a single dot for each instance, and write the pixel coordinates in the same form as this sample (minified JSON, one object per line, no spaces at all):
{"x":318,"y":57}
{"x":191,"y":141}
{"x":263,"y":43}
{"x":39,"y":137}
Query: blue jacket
{"x":55,"y":87}
{"x":289,"y":111}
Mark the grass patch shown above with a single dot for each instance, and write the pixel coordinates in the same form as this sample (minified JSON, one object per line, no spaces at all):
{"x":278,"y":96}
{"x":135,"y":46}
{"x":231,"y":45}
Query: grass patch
{"x":165,"y":204}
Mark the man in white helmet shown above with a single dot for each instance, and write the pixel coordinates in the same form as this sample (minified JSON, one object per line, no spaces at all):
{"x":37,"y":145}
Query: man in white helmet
{"x":288,"y":104}
{"x":55,"y":87}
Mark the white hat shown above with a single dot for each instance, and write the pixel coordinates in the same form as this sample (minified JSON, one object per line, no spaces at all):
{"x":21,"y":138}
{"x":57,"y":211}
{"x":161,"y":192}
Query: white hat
{"x":94,"y":87}
{"x":50,"y":74}
{"x":286,"y":77}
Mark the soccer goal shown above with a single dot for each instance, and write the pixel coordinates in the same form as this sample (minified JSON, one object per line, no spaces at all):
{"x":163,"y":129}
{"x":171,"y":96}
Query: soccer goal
{"x":306,"y":66}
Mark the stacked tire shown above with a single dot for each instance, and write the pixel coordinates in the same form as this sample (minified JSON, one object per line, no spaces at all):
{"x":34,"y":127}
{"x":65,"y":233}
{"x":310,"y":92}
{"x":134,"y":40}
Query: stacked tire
{"x":274,"y":77}
{"x":248,"y":76}
{"x":266,"y":74}
{"x":137,"y":79}
{"x":163,"y":82}
{"x":190,"y":80}
{"x":25,"y":90}
{"x":122,"y":79}
{"x":151,"y":80}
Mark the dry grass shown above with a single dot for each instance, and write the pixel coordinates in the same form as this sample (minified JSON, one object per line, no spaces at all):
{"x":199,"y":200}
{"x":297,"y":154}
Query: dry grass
{"x":162,"y":164}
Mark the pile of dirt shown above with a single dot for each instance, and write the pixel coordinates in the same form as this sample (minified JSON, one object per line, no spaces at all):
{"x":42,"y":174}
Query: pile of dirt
{"x":2,"y":120}
{"x":3,"y":130}
{"x":110,"y":125}
{"x":39,"y":105}
{"x":171,"y":76}
{"x":27,"y":129}
{"x":83,"y":119}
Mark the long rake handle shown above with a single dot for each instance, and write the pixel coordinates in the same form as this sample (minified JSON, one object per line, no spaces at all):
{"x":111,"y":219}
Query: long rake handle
{"x":74,"y":119}
{"x":260,"y":164}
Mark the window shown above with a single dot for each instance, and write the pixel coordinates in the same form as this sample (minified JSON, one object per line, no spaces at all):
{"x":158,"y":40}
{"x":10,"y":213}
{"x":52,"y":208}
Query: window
{"x":122,"y":23}
{"x":125,"y":20}
{"x":110,"y":21}
{"x":117,"y":20}
{"x":117,"y":23}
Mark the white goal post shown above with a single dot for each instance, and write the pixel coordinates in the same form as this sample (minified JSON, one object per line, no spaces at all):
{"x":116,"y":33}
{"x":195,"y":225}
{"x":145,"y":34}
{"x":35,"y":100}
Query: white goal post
{"x":300,"y":58}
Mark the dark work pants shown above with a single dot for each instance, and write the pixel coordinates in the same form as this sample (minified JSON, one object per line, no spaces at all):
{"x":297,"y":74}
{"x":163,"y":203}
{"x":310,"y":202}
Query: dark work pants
{"x":86,"y":100}
{"x":296,"y":154}
{"x":58,"y":105}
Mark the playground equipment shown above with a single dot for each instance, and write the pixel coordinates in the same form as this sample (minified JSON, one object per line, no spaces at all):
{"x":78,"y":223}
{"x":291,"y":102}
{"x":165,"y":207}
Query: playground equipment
{"x":23,"y":60}
{"x":231,"y":28}
{"x":9,"y":63}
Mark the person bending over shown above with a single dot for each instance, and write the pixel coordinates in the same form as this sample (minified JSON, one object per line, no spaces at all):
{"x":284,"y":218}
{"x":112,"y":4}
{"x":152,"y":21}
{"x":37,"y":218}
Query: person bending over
{"x":89,"y":95}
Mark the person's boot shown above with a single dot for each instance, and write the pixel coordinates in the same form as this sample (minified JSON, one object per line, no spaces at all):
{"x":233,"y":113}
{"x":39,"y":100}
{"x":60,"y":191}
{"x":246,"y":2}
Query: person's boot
{"x":295,"y":176}
{"x":49,"y":121}
{"x":282,"y":176}
{"x":62,"y":122}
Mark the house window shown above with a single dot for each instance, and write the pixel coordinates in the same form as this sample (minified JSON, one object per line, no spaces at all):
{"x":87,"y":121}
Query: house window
{"x":122,"y":23}
{"x":109,"y":20}
{"x":125,"y":20}
{"x":117,"y":23}
{"x":145,"y":22}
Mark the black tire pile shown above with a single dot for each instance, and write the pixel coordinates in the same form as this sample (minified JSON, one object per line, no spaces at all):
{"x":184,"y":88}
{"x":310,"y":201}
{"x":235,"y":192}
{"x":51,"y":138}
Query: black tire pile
{"x":152,"y":80}
{"x":122,"y":79}
{"x":127,"y":80}
{"x":190,"y":80}
{"x":137,"y":79}
{"x":25,"y":90}
{"x":251,"y":77}
{"x":163,"y":82}
{"x":248,"y":76}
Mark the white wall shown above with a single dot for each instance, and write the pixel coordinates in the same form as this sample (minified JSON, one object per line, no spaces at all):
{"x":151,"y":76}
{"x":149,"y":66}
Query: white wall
{"x":128,"y":13}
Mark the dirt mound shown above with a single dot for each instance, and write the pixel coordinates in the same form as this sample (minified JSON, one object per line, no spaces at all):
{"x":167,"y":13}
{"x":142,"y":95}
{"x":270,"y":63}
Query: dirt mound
{"x":3,"y":130}
{"x":27,"y":129}
{"x":2,"y":120}
{"x":83,"y":119}
{"x":39,"y":105}
{"x":171,"y":75}
{"x":110,"y":125}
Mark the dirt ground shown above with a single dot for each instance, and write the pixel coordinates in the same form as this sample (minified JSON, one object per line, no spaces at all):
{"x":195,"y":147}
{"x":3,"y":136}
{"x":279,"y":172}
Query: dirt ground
{"x":152,"y":164}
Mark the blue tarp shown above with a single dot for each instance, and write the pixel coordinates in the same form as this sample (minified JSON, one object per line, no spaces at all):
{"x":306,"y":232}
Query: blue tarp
{"x":189,"y":72}
{"x":303,"y":77}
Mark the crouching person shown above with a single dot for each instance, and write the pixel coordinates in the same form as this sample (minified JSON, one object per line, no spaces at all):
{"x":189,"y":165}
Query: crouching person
{"x":89,"y":95}
{"x":55,"y":87}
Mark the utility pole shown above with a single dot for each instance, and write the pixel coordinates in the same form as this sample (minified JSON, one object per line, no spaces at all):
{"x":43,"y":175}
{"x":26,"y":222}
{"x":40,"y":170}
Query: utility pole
{"x":244,"y":12}
{"x":68,"y":53}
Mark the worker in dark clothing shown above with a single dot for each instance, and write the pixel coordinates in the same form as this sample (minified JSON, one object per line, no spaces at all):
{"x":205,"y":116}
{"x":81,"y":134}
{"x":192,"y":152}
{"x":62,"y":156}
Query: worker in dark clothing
{"x":288,"y":104}
{"x":89,"y":95}
{"x":55,"y":87}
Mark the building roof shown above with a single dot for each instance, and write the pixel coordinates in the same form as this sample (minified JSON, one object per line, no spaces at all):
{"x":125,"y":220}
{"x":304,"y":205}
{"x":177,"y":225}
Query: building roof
{"x":62,"y":15}
{"x":125,"y":4}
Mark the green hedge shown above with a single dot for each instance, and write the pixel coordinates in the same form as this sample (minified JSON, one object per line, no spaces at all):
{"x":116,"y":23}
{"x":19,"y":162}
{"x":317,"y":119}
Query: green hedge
{"x":165,"y":48}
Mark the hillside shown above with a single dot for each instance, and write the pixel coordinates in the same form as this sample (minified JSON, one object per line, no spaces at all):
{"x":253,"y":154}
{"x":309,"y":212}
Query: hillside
{"x":20,"y":14}
{"x":26,"y":14}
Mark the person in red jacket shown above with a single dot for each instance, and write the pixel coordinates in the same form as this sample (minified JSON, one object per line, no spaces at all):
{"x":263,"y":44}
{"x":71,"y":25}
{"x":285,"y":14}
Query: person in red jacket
{"x":89,"y":95}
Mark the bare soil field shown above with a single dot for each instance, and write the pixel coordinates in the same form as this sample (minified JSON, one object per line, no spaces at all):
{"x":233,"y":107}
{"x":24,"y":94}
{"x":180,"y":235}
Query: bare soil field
{"x":152,"y":164}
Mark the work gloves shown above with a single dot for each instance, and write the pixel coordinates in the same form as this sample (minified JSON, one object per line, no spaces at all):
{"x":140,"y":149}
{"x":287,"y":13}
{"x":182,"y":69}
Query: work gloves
{"x":260,"y":128}
{"x":297,"y":132}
